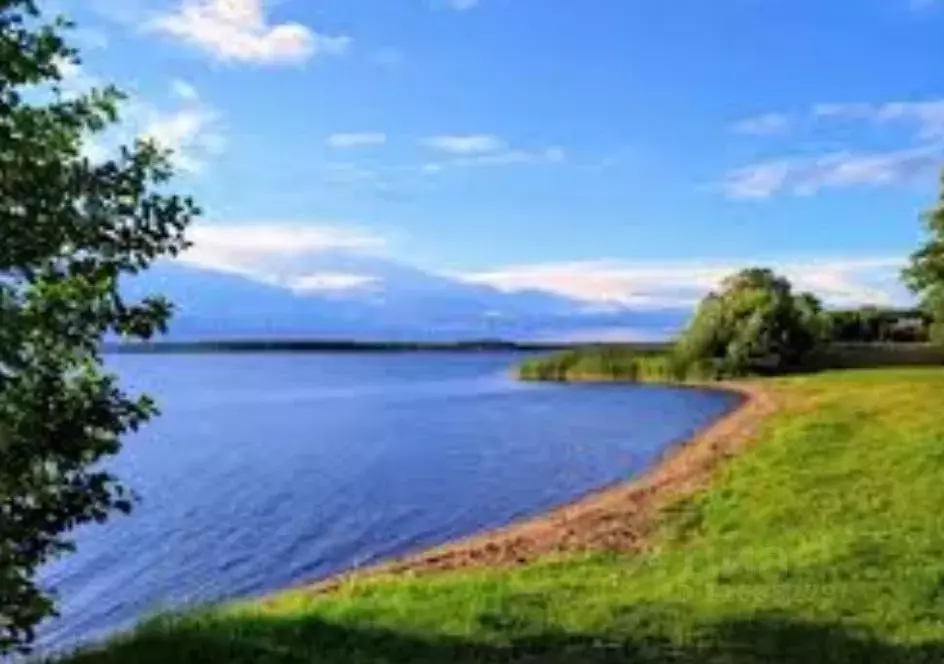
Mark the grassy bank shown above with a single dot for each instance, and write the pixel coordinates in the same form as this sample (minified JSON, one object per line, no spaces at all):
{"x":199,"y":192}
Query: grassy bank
{"x":822,"y":543}
{"x":615,"y":363}
{"x":655,"y":365}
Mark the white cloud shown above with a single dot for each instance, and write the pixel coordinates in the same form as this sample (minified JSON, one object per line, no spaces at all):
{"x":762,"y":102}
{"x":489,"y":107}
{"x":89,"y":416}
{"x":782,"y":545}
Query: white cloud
{"x":272,"y":252}
{"x":468,"y":150}
{"x":190,"y":129}
{"x":239,"y":31}
{"x":851,"y":167}
{"x":356,"y":140}
{"x":329,"y":282}
{"x":547,"y":156}
{"x":501,"y":157}
{"x":761,"y":125}
{"x":846,"y":169}
{"x":191,"y":133}
{"x":184,"y":90}
{"x":805,"y":176}
{"x":382,"y":182}
{"x":346,"y":172}
{"x":303,"y":257}
{"x":75,"y":80}
{"x":757,"y":181}
{"x":928,"y":116}
{"x":553,"y":155}
{"x":279,"y":238}
{"x":840,"y":282}
{"x":844,"y":110}
{"x":466,"y":144}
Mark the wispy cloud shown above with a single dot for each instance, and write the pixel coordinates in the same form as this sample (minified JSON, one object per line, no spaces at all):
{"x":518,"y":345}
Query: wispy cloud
{"x":462,"y":5}
{"x":757,"y":181}
{"x":855,"y":110}
{"x":762,"y":125}
{"x":356,"y":139}
{"x":348,"y":172}
{"x":240,"y":31}
{"x":389,"y":183}
{"x":927,"y":116}
{"x":839,"y":281}
{"x":277,"y":252}
{"x":299,"y":256}
{"x":466,"y":144}
{"x":279,"y":238}
{"x":184,"y":90}
{"x":485,"y":150}
{"x":191,"y":133}
{"x":851,"y":167}
{"x":333,"y":282}
{"x":75,"y":79}
{"x":188,"y":127}
{"x":805,"y":176}
{"x":547,"y":156}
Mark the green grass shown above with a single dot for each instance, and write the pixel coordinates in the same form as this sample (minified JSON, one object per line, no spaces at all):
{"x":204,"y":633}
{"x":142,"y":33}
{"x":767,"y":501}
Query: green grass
{"x":615,"y":363}
{"x":642,"y":364}
{"x":822,"y":543}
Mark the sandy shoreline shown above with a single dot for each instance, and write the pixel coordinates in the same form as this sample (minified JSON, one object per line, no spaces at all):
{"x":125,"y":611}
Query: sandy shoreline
{"x":615,"y":519}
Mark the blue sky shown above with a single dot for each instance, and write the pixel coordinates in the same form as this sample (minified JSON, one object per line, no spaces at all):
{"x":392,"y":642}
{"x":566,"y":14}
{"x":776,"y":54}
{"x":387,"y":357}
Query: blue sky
{"x":610,"y":150}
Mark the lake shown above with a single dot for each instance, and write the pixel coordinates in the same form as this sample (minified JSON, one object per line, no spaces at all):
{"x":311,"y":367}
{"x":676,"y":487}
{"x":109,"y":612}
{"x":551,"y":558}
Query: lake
{"x":270,"y":470}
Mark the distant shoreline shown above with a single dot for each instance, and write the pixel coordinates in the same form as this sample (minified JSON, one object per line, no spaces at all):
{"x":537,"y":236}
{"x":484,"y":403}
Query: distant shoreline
{"x":343,"y":346}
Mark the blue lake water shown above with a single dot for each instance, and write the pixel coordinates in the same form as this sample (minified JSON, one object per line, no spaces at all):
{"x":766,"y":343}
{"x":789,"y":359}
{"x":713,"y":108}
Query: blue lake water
{"x":270,"y":470}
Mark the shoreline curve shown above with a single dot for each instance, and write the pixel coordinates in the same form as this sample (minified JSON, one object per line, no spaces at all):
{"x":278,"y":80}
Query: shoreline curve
{"x":619,"y":518}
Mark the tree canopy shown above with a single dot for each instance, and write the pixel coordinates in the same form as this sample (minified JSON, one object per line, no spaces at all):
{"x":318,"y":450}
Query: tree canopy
{"x":70,"y":229}
{"x":755,"y":320}
{"x":925,"y":272}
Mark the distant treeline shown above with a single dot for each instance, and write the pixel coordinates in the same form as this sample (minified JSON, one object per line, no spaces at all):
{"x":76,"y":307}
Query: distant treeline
{"x":864,"y":325}
{"x":876,"y":325}
{"x":316,"y":345}
{"x":855,"y":338}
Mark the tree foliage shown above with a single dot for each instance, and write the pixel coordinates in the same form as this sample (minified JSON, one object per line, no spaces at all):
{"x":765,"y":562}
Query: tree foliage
{"x":70,"y":229}
{"x":755,"y":320}
{"x":925,"y":272}
{"x":870,"y":324}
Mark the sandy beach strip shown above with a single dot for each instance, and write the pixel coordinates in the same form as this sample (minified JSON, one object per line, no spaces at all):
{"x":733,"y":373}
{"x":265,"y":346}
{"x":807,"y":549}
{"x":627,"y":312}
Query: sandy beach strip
{"x":619,"y":518}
